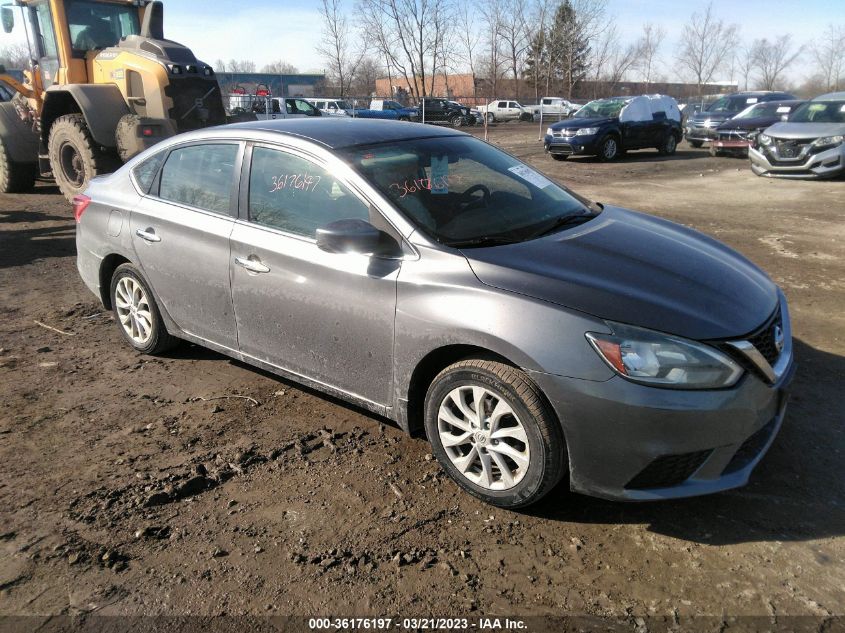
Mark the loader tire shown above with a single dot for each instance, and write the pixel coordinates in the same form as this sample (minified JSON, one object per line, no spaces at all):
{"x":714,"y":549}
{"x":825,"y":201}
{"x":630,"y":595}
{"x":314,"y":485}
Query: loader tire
{"x":75,"y":157}
{"x":15,"y":177}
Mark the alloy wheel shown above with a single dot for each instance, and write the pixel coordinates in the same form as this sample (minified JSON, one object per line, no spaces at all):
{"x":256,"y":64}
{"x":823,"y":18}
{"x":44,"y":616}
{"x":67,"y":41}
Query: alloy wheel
{"x":483,"y":437}
{"x":133,"y":310}
{"x":609,"y":149}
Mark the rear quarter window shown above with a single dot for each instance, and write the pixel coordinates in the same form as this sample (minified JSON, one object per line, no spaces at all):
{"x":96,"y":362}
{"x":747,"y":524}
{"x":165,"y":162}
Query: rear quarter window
{"x":145,"y":172}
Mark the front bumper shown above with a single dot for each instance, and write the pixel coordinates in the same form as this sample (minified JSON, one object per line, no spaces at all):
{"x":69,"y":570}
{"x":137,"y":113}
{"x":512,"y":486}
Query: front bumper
{"x":826,"y":164}
{"x":702,"y":133}
{"x":630,"y":442}
{"x":732,"y":145}
{"x":586,"y":145}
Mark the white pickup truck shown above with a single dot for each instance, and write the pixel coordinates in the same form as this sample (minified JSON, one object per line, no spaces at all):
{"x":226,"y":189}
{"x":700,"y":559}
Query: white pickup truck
{"x":500,"y":110}
{"x":554,"y":107}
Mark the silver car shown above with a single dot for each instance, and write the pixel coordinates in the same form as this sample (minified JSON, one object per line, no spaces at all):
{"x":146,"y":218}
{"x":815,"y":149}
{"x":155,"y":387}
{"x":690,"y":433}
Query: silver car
{"x":811,"y":144}
{"x":531,"y":335}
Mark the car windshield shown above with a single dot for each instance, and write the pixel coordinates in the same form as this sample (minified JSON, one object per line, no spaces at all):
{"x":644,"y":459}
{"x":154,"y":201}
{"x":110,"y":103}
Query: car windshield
{"x":761,"y":109}
{"x":602,"y":108}
{"x":731,"y":104}
{"x":819,"y":112}
{"x":98,"y":25}
{"x":462,"y":191}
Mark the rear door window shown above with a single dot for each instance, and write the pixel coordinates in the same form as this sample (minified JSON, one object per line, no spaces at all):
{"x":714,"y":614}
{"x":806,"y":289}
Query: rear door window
{"x":200,"y":176}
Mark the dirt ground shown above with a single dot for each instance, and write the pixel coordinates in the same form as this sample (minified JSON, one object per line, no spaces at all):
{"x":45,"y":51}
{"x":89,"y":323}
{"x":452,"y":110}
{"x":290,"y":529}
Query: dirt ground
{"x":193,"y":484}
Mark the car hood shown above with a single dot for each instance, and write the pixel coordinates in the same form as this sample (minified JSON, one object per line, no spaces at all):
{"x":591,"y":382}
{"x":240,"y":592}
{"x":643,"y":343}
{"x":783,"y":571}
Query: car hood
{"x":749,"y":124}
{"x":579,"y":123}
{"x":786,"y":129}
{"x":636,"y":269}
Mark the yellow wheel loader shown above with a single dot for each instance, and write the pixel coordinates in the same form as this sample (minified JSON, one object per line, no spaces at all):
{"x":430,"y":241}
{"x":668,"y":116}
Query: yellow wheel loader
{"x":104,"y":85}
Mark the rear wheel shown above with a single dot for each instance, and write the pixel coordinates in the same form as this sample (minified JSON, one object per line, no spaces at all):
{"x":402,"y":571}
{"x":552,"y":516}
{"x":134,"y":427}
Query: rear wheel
{"x":136,"y":312}
{"x":15,"y":177}
{"x":670,"y":144}
{"x":492,"y":432}
{"x":75,"y":157}
{"x":491,"y":118}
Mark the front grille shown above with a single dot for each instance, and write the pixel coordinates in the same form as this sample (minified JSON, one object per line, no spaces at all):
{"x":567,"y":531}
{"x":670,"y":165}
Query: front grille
{"x":750,"y":448}
{"x":733,"y":135}
{"x":790,"y":149}
{"x":197,"y":102}
{"x":764,"y":339}
{"x":668,"y":470}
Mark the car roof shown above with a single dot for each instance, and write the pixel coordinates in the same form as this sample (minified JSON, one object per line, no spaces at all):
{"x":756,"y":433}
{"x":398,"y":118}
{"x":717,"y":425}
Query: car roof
{"x":336,"y":133}
{"x":830,"y":96}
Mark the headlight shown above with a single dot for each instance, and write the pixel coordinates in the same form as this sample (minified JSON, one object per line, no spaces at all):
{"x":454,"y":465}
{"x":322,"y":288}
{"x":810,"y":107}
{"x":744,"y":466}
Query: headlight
{"x":587,"y":131}
{"x":661,"y":360}
{"x":828,"y":140}
{"x":764,"y":139}
{"x":550,"y":131}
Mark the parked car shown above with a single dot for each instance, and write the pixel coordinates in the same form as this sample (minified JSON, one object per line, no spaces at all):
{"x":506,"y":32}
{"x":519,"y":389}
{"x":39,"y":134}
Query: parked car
{"x":331,"y":106}
{"x":435,"y":110}
{"x":432,"y":278}
{"x":474,"y":117}
{"x":501,"y":110}
{"x":553,"y":107}
{"x":608,"y":128}
{"x":810,"y":145}
{"x":735,"y":135}
{"x":701,"y":127}
{"x":284,"y":108}
{"x":386,"y":109}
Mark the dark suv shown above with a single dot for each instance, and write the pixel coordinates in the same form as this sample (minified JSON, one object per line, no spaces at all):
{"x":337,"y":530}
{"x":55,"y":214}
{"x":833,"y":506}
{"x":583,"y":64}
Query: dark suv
{"x":444,"y":111}
{"x":701,"y":128}
{"x":608,"y":128}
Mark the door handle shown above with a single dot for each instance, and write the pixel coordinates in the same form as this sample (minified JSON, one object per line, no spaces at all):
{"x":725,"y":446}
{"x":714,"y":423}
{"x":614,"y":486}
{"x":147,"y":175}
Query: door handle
{"x":148,"y":234}
{"x":252,"y":265}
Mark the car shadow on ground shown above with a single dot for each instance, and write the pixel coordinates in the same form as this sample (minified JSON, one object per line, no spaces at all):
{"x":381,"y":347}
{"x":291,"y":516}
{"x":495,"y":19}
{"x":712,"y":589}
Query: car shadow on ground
{"x":796,"y":493}
{"x":20,"y":247}
{"x":646,"y":156}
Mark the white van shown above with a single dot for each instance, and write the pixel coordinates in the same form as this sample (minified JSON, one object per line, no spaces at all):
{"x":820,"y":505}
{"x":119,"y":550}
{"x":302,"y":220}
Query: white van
{"x":331,"y":106}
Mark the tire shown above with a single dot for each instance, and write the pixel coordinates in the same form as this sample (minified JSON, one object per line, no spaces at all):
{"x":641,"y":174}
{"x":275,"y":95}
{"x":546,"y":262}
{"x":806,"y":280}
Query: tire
{"x":125,"y":280}
{"x":491,"y":118}
{"x":15,"y":177}
{"x":457,"y":121}
{"x":670,"y":145}
{"x":404,"y":118}
{"x":534,"y":466}
{"x":560,"y":157}
{"x":696,"y":143}
{"x":75,"y":157}
{"x":608,"y":149}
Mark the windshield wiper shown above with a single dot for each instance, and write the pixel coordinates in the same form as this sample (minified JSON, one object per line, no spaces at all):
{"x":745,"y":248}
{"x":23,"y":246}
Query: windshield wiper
{"x":483,"y":240}
{"x":560,"y":222}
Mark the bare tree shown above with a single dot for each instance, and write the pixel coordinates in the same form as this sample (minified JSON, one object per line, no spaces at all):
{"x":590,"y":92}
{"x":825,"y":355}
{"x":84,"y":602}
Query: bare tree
{"x":513,"y":35}
{"x":493,"y":17}
{"x":468,"y":39}
{"x":280,"y":67}
{"x":15,"y":56}
{"x":408,"y":33}
{"x":335,"y":47}
{"x":827,"y":53}
{"x":620,"y":63}
{"x":536,"y":51}
{"x":648,"y":47}
{"x":706,"y":43}
{"x":220,"y":66}
{"x":743,"y":64}
{"x":240,"y":66}
{"x":610,"y":62}
{"x":364,"y":83}
{"x":771,"y":58}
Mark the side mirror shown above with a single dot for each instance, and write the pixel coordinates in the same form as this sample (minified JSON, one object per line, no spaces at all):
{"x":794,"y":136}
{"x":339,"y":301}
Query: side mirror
{"x":349,"y":236}
{"x":8,"y":18}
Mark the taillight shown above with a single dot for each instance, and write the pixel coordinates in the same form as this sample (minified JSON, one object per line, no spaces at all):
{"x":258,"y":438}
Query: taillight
{"x":80,"y":203}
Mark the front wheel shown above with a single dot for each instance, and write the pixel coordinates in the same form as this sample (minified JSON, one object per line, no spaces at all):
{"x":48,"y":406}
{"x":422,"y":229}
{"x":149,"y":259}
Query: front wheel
{"x":608,"y":148}
{"x":404,"y":118}
{"x":493,"y":433}
{"x":457,"y":121}
{"x":75,"y":157}
{"x":560,"y":157}
{"x":491,"y":118}
{"x":15,"y":177}
{"x":136,"y":312}
{"x":696,"y":143}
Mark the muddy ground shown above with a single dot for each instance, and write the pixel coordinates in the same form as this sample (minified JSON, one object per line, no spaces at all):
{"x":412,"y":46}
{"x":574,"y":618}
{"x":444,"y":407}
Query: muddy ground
{"x":193,"y":484}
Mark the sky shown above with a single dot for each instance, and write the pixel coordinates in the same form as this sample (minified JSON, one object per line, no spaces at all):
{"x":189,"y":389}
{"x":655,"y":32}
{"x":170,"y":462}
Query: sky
{"x":267,"y":30}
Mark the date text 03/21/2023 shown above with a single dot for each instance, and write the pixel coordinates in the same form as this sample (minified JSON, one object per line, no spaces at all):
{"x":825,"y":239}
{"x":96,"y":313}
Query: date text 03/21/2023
{"x":416,"y":624}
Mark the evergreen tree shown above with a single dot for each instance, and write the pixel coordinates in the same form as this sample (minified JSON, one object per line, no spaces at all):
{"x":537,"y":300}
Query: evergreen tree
{"x":569,"y":48}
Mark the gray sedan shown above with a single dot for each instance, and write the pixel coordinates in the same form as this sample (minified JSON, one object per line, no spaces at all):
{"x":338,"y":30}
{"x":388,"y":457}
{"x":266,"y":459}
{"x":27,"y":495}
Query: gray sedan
{"x":531,"y":335}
